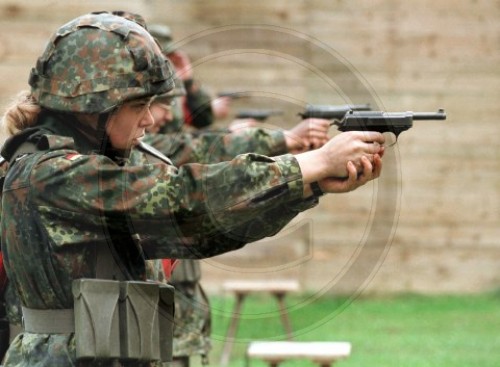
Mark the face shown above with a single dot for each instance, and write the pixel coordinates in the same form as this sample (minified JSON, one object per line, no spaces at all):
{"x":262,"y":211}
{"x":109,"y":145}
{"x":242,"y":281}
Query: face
{"x":161,"y":109}
{"x":128,"y":124}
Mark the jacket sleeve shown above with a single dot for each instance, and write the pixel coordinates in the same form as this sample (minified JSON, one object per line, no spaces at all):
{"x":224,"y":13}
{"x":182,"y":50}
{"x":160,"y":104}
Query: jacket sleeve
{"x":191,"y":212}
{"x":214,"y":147}
{"x":267,"y":224}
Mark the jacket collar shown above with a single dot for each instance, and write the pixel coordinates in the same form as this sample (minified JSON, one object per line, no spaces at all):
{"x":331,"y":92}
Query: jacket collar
{"x":52,"y":132}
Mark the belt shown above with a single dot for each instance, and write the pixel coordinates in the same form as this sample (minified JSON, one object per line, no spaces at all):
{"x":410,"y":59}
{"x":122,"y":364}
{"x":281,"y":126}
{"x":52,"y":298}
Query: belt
{"x":61,"y":321}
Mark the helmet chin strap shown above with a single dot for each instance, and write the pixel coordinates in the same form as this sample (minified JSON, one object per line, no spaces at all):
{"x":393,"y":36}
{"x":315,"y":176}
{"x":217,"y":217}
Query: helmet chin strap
{"x":102,"y":121}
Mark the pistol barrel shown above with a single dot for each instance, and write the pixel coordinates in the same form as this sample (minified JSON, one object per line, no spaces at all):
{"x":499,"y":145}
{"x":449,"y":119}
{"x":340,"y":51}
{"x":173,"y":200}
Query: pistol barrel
{"x":257,"y":114}
{"x":439,"y":115}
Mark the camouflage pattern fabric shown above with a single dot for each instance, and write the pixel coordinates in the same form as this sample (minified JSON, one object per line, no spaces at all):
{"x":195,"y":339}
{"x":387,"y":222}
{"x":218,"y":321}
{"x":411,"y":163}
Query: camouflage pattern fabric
{"x":213,"y":147}
{"x":10,"y":308}
{"x":192,"y":312}
{"x":4,"y":321}
{"x":81,"y":70}
{"x":163,"y":34}
{"x":54,"y":211}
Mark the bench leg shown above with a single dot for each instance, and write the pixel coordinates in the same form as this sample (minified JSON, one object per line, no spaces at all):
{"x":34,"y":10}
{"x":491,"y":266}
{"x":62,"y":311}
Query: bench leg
{"x":284,"y":315}
{"x":231,"y":331}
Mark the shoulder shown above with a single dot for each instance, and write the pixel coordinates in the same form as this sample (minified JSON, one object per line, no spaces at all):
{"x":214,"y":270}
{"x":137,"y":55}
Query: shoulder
{"x":70,"y":162}
{"x":44,"y":167}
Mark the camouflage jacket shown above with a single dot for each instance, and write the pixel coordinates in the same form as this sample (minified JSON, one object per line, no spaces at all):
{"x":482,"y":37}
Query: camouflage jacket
{"x":214,"y":147}
{"x":62,"y":202}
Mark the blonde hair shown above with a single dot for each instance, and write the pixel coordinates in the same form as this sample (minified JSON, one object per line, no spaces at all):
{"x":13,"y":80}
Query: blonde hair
{"x":19,"y":115}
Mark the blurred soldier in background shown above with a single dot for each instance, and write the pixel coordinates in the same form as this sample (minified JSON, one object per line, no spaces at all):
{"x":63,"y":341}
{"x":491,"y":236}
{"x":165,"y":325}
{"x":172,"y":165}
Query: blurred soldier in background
{"x":200,"y":109}
{"x":192,"y":317}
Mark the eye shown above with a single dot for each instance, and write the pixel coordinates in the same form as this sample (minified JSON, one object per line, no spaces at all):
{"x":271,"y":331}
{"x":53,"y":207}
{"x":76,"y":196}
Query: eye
{"x":164,"y":102}
{"x":167,"y":101}
{"x":139,"y":105}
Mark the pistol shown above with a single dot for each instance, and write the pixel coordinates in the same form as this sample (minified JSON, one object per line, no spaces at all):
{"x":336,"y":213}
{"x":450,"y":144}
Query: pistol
{"x":257,"y":114}
{"x":393,"y":122}
{"x":331,"y":112}
{"x":233,"y":94}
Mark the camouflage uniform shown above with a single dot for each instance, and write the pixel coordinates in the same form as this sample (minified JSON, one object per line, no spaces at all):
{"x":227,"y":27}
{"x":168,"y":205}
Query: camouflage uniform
{"x":73,"y":195}
{"x":4,"y":321}
{"x":10,"y":308}
{"x":192,"y":318}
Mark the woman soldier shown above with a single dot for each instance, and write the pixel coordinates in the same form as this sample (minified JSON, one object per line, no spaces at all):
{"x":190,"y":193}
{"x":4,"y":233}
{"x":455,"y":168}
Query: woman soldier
{"x":79,"y":203}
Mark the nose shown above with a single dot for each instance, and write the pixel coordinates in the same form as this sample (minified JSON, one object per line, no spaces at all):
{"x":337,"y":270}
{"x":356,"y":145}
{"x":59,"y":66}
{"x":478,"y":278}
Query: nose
{"x":148,"y":119}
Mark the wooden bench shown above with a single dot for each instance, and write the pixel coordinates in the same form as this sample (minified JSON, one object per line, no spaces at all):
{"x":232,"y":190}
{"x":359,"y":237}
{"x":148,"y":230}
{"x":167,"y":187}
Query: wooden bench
{"x":322,"y":353}
{"x":241,"y":288}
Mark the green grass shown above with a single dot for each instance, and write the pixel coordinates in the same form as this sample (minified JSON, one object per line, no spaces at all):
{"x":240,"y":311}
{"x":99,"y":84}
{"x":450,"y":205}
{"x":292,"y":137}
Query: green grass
{"x":409,"y":330}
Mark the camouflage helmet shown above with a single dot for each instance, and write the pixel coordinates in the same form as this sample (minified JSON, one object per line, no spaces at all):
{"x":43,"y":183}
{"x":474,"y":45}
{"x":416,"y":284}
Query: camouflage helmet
{"x":179,"y":90}
{"x":139,"y":19}
{"x":96,"y":62}
{"x":163,"y":35}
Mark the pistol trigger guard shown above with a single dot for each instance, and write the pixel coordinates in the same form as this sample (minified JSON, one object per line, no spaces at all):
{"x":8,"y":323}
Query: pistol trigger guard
{"x":396,"y":135}
{"x":336,"y":122}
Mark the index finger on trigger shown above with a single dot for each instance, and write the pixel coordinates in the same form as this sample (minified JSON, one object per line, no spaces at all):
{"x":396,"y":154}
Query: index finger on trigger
{"x":373,"y":136}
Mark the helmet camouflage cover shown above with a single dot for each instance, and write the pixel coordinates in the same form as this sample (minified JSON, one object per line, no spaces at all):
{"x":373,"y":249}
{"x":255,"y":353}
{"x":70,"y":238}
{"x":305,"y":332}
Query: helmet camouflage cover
{"x":163,"y":34}
{"x":96,"y":62}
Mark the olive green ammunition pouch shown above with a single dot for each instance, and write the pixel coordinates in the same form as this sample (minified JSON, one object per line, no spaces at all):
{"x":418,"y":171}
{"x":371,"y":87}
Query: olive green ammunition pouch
{"x":126,"y":320}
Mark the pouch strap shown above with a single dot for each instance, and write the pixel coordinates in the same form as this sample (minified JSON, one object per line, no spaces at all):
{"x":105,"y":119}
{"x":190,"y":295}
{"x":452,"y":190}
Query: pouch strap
{"x":14,"y":330}
{"x":106,"y":264}
{"x":61,"y":321}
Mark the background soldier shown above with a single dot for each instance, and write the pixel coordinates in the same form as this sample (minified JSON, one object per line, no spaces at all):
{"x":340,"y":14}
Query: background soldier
{"x":199,"y":108}
{"x":192,"y":317}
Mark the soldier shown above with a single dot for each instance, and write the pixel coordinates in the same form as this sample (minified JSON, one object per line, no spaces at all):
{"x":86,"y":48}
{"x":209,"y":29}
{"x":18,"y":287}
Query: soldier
{"x":200,"y":110}
{"x":79,"y":202}
{"x":191,"y":335}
